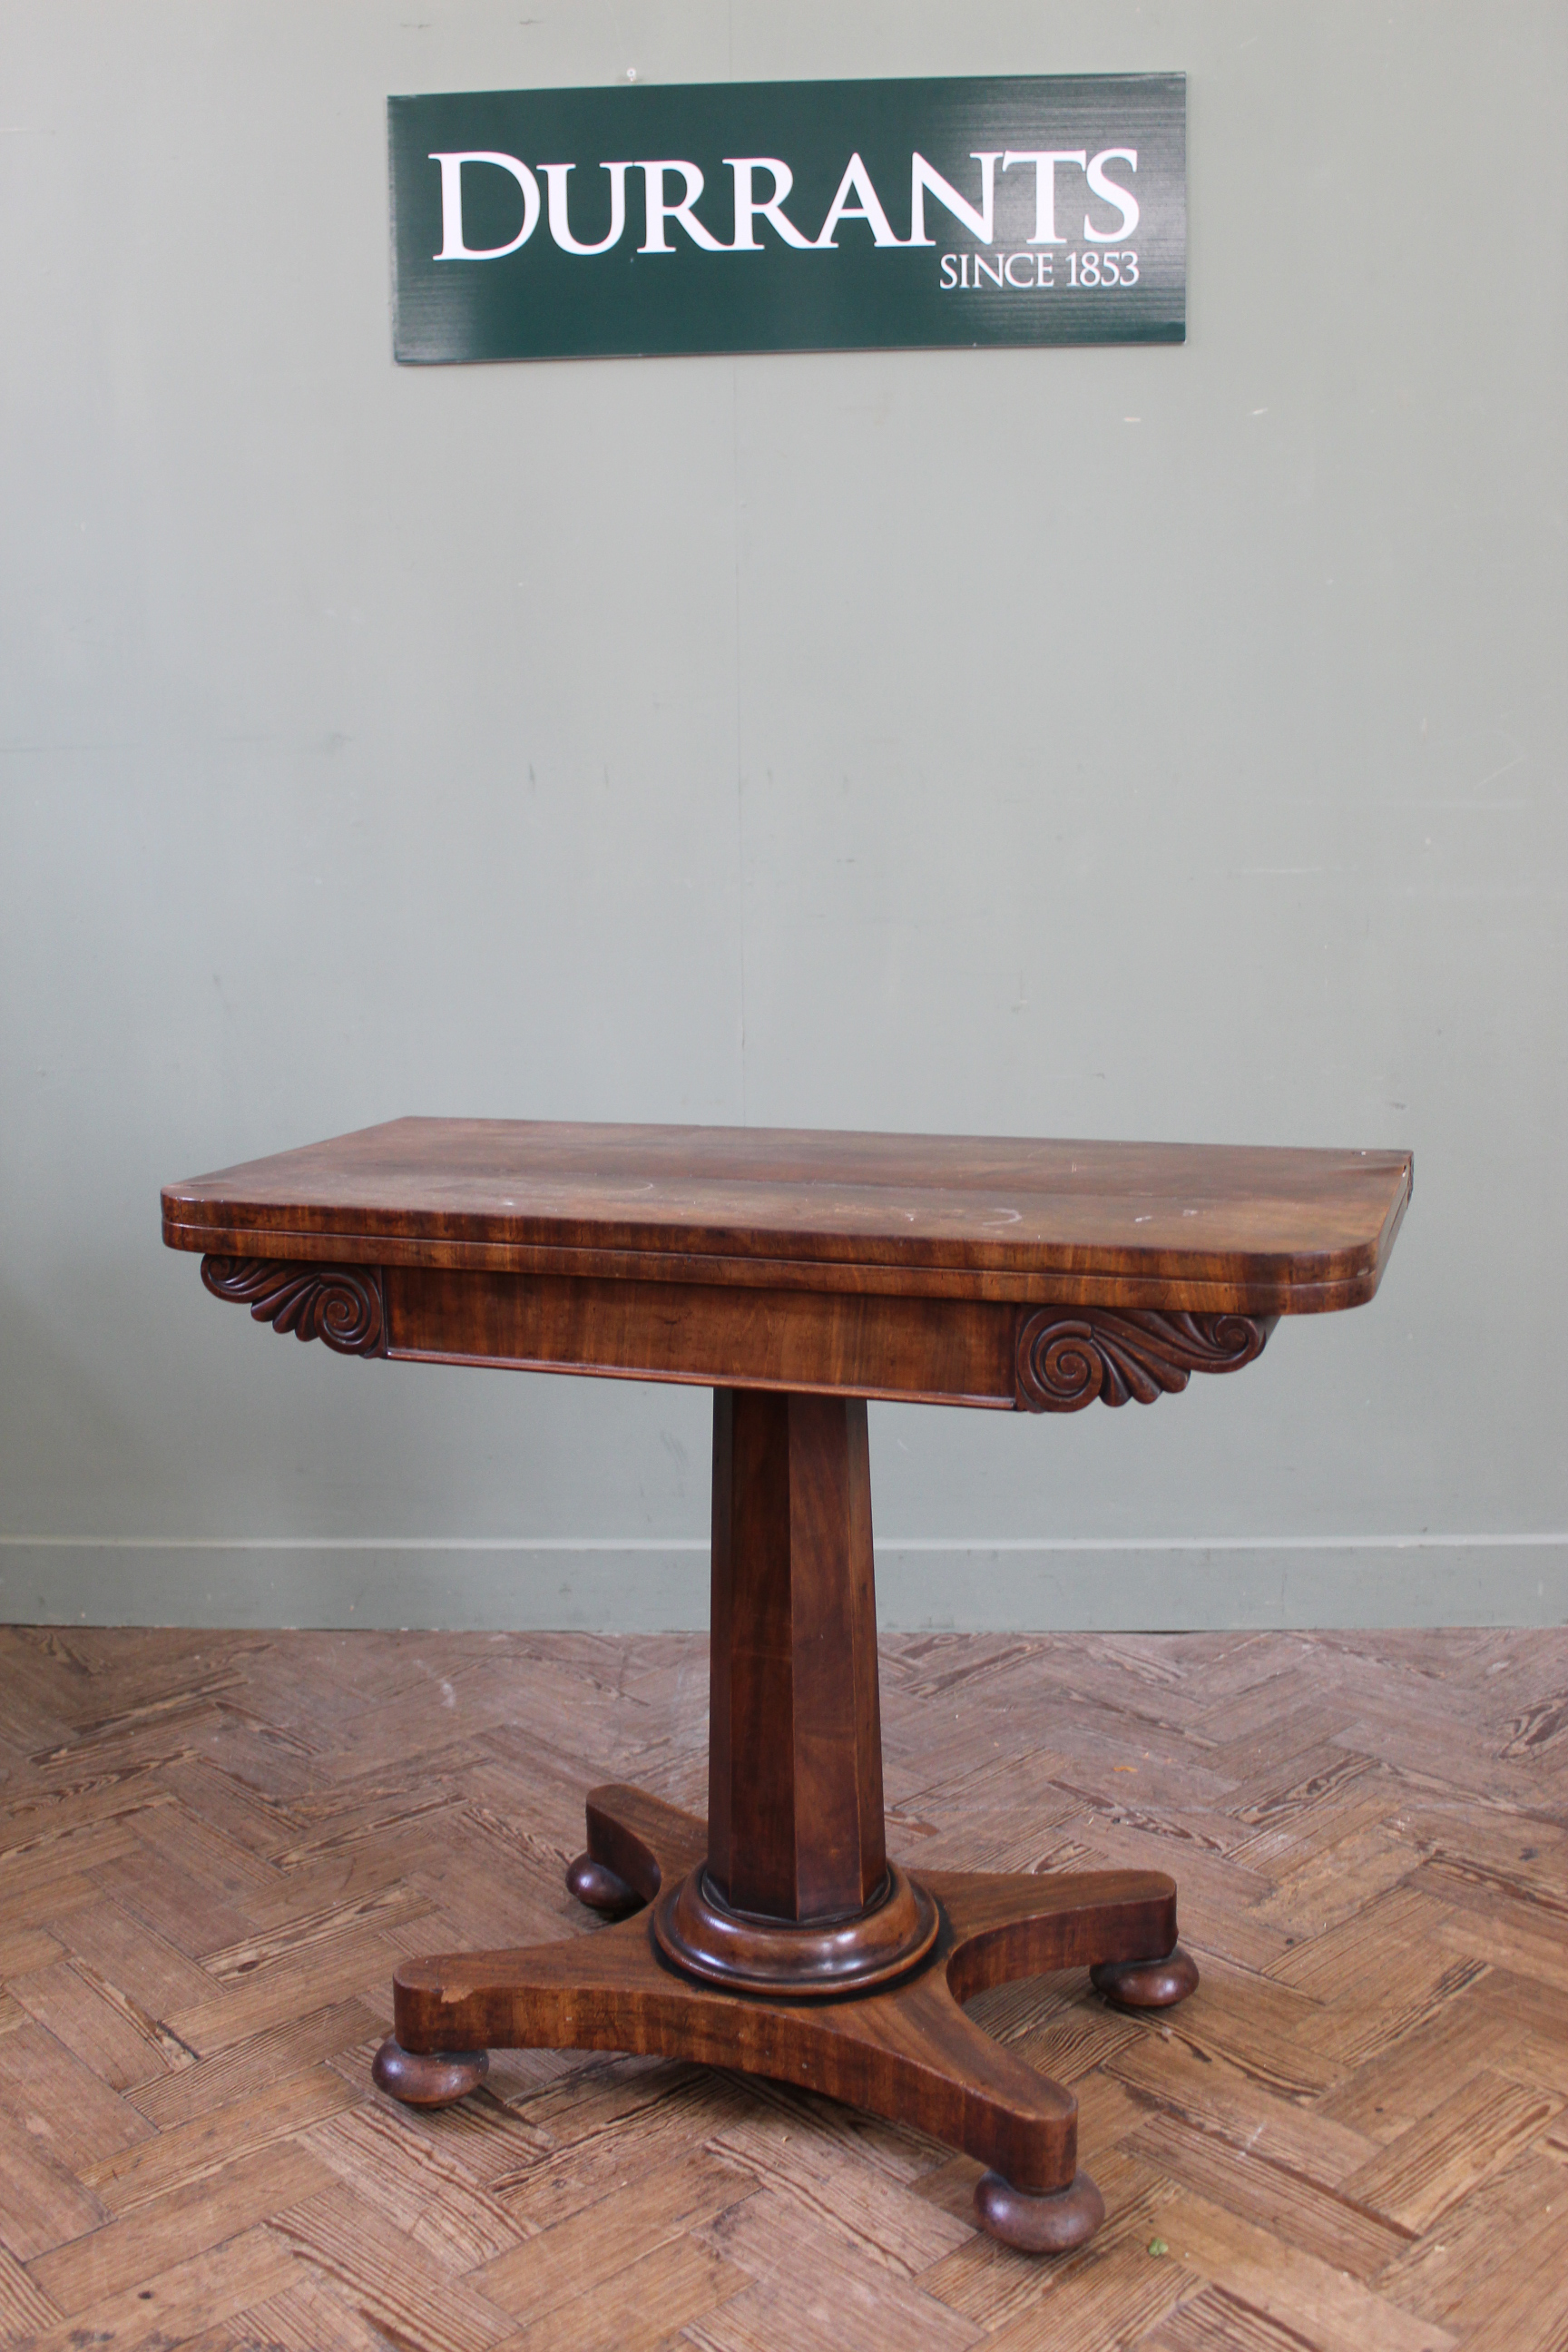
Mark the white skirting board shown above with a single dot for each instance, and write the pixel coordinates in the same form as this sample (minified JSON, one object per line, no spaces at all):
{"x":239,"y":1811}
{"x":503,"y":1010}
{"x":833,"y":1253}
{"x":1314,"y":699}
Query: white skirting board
{"x":647,"y":1585}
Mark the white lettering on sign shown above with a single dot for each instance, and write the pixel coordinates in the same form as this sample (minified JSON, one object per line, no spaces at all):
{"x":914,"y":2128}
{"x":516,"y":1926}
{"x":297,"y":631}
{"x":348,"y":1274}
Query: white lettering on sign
{"x":659,"y":211}
{"x":559,"y":224}
{"x":750,"y":209}
{"x":857,"y":182}
{"x":922,"y":178}
{"x":1126,"y":203}
{"x":856,"y":200}
{"x":452,"y":246}
{"x":1045,"y":161}
{"x":1086,"y":269}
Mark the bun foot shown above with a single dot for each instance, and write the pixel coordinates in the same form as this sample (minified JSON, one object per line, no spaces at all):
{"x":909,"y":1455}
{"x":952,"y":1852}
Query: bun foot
{"x":1147,"y":1984}
{"x":433,"y":2080}
{"x":598,"y":1885}
{"x":1035,"y":2225}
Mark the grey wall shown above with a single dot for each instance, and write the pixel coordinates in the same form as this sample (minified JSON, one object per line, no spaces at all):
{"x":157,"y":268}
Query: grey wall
{"x":1160,"y":742}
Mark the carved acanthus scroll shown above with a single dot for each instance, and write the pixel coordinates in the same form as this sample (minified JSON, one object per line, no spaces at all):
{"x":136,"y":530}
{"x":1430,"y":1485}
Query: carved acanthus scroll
{"x":1065,"y":1357}
{"x":340,"y":1304}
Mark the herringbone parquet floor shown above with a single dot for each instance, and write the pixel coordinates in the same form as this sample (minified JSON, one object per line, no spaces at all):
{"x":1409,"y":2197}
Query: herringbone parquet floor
{"x":1353,"y":2139}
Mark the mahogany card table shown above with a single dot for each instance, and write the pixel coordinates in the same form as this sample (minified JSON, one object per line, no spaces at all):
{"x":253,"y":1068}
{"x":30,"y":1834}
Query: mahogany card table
{"x":797,"y":1273}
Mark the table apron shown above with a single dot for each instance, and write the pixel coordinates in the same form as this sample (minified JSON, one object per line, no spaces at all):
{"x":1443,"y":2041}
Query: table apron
{"x":935,"y":1351}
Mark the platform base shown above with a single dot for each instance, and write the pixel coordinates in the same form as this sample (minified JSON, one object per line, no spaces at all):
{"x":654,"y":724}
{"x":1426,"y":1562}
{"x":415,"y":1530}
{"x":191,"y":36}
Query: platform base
{"x":906,"y":2051}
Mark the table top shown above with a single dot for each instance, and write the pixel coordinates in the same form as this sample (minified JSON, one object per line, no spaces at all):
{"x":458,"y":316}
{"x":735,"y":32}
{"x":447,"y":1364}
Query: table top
{"x":1252,"y":1228}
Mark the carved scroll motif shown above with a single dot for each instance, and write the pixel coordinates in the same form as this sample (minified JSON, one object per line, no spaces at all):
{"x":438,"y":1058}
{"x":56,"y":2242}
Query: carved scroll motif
{"x":340,"y":1304}
{"x":1066,"y":1360}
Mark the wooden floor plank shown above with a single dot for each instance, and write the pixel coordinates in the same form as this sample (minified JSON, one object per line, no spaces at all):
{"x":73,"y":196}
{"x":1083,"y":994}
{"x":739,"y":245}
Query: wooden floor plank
{"x":1532,"y":1947}
{"x":832,"y":2181}
{"x":1287,"y":2284}
{"x":400,"y":2289}
{"x":25,"y":2309}
{"x":418,"y":2184}
{"x":562,"y":2262}
{"x":192,"y":1914}
{"x":813,"y":2286}
{"x":1478,"y":2128}
{"x":111,"y":2034}
{"x":347,"y":1968}
{"x":310,"y":2315}
{"x":124,"y":1951}
{"x":674,"y":2286}
{"x":62,"y":2104}
{"x":1503,"y":2250}
{"x":42,"y":2203}
{"x":1213,"y":2321}
{"x":291,"y":2048}
{"x":184,"y":2222}
{"x":1099,"y":2308}
{"x":216,"y":1846}
{"x":1316,"y":2221}
{"x":191,"y":2151}
{"x":180,"y":2302}
{"x":1405,"y":2079}
{"x":1213,"y":2094}
{"x":559,"y":2182}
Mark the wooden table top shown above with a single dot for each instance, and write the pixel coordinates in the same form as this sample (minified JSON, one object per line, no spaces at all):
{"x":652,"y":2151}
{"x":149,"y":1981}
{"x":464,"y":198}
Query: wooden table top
{"x":1256,"y":1228}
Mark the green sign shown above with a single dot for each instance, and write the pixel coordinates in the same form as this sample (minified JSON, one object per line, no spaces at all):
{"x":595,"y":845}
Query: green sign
{"x":772,"y":216}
